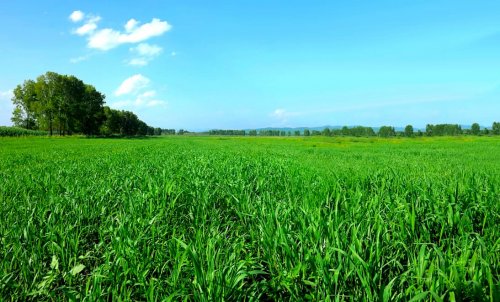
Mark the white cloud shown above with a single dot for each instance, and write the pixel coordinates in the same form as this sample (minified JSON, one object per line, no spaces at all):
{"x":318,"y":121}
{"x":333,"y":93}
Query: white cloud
{"x":76,"y":16}
{"x":173,"y":53}
{"x":145,"y":49}
{"x":108,"y":38}
{"x":89,"y":26}
{"x":146,"y":53}
{"x":132,"y":85}
{"x":131,"y":25}
{"x":139,"y":62}
{"x":139,"y":95}
{"x":143,"y":100}
{"x":104,"y":39}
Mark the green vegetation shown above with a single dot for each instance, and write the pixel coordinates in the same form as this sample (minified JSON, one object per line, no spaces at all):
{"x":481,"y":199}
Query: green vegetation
{"x":16,"y":131}
{"x":66,"y":105}
{"x":361,"y":131}
{"x":250,"y":218}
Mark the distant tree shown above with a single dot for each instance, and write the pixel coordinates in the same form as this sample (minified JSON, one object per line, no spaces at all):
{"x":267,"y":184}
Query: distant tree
{"x":307,"y":132}
{"x":495,"y":128}
{"x":409,"y":131}
{"x":326,"y":132}
{"x":475,"y":129}
{"x":296,"y":133}
{"x":386,"y":131}
{"x":429,"y":130}
{"x":443,"y":129}
{"x":345,"y":131}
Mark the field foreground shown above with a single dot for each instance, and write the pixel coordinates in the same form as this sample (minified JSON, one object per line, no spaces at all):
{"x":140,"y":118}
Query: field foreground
{"x":217,"y":218}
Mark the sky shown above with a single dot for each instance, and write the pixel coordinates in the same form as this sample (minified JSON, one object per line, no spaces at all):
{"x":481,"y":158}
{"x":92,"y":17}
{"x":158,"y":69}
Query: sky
{"x":202,"y":65}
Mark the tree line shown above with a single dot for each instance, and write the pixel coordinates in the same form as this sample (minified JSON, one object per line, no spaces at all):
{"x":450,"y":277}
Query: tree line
{"x":360,"y":131}
{"x":64,"y":104}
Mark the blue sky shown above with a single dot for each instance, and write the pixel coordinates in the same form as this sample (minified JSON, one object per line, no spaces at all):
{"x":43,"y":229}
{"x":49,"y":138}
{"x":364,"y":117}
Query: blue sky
{"x":247,"y":64}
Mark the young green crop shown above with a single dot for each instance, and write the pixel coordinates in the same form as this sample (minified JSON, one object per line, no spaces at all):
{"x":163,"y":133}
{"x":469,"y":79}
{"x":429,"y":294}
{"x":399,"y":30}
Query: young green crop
{"x":16,"y":131}
{"x":252,"y":219}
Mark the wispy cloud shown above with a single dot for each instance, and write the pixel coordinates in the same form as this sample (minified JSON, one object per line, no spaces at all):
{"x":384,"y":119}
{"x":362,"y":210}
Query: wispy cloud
{"x":79,"y":59}
{"x":282,"y":115}
{"x":108,"y":38}
{"x":145,"y":53}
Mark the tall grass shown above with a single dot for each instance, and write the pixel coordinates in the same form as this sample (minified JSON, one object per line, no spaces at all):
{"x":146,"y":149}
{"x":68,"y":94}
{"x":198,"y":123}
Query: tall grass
{"x":252,"y":219}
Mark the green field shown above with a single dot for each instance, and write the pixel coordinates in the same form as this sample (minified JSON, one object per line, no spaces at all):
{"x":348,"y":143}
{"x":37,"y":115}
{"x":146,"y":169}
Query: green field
{"x":263,"y":219}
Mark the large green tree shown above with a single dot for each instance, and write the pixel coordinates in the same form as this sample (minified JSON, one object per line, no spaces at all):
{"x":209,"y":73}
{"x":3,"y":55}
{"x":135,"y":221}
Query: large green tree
{"x":60,"y":103}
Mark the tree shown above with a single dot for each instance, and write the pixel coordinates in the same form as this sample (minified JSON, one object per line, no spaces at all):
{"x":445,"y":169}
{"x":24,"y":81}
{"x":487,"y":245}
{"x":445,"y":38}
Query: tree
{"x":429,"y":130}
{"x":409,"y":131}
{"x":495,"y":128}
{"x":326,"y":132}
{"x":307,"y":132}
{"x":24,"y":100}
{"x":58,"y":102}
{"x":386,"y":131}
{"x":91,"y":111}
{"x":112,"y":124}
{"x":475,"y":129}
{"x":443,"y":129}
{"x":47,"y":89}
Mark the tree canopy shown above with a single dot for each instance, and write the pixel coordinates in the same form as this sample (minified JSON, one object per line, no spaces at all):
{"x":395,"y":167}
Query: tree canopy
{"x":65,"y":104}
